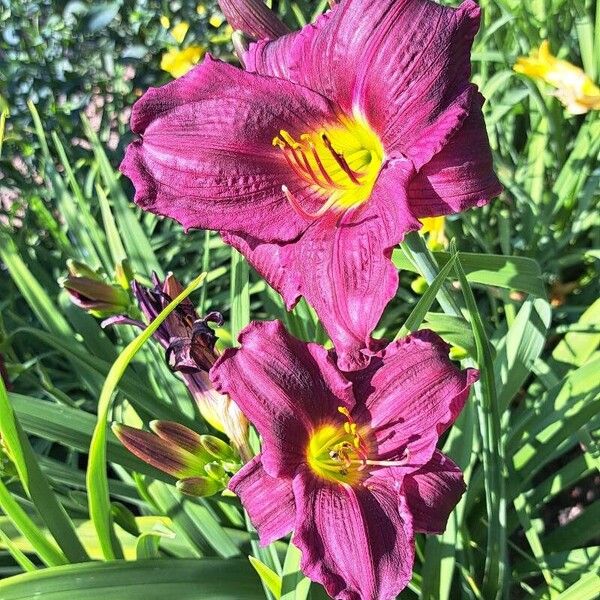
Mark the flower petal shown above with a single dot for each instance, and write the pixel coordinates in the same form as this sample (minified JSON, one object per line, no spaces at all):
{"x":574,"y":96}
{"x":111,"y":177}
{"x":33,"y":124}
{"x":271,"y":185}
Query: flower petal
{"x":432,"y":492}
{"x":461,"y":175}
{"x":206,"y":156}
{"x":345,"y":268}
{"x":404,"y":64}
{"x":357,"y":542}
{"x":274,"y":262}
{"x":268,"y":500}
{"x":285,"y":387}
{"x":413,"y":393}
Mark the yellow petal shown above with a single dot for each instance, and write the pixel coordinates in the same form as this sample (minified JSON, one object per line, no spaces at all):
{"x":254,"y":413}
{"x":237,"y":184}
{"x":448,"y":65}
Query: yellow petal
{"x":179,"y":62}
{"x":201,"y":9}
{"x":178,"y":32}
{"x":434,"y":226}
{"x":165,"y":21}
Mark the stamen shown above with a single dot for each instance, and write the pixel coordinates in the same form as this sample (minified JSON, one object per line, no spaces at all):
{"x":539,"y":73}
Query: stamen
{"x":297,"y":168}
{"x":321,"y":167}
{"x":312,"y":158}
{"x":310,"y":171}
{"x":303,"y":213}
{"x":341,"y":161}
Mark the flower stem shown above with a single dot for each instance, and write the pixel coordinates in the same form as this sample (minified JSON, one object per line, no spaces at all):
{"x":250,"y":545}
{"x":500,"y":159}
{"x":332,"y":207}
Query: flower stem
{"x":417,"y":252}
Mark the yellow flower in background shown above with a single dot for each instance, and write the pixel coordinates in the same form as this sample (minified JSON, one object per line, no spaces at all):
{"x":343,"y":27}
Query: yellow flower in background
{"x":434,"y":226}
{"x":216,"y":20}
{"x":573,"y":87}
{"x":165,"y":21}
{"x":179,"y":62}
{"x":201,"y":9}
{"x":223,"y":36}
{"x":178,"y":32}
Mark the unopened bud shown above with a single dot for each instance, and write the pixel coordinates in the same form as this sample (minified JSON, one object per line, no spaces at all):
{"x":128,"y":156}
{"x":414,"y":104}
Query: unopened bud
{"x":159,"y":453}
{"x":199,"y":486}
{"x":458,"y":353}
{"x":254,"y":18}
{"x":182,"y":437}
{"x":216,"y":472}
{"x":419,"y":285}
{"x":91,"y":293}
{"x":217,"y":448}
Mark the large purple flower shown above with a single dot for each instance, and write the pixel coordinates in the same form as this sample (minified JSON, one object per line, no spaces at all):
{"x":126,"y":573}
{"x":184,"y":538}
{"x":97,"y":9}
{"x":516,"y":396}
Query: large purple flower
{"x":316,"y":160}
{"x":350,"y":466}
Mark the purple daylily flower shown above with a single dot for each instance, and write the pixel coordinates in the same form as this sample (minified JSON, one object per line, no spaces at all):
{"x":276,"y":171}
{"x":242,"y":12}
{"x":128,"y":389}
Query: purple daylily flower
{"x":351,"y":466}
{"x":316,"y":160}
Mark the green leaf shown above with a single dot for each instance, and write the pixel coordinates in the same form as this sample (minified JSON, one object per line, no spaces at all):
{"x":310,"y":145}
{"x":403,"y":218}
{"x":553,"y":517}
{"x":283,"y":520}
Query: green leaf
{"x":586,"y":588}
{"x":35,"y":483}
{"x":520,"y":348}
{"x":492,"y":446}
{"x":294,"y":584}
{"x":508,"y":272}
{"x":34,"y":294}
{"x":45,"y":549}
{"x":240,"y":294}
{"x":267,"y":576}
{"x":16,"y":553}
{"x":141,"y":580}
{"x":139,"y":250}
{"x":455,"y":330}
{"x":418,"y":313}
{"x":97,"y":482}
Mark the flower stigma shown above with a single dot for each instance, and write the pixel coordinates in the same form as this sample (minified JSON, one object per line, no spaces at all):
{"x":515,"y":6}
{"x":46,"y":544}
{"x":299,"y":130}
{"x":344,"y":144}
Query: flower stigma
{"x":340,"y":162}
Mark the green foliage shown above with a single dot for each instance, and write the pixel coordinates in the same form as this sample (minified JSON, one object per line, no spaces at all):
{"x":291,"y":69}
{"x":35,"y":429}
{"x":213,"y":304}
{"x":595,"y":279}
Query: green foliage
{"x":516,"y":291}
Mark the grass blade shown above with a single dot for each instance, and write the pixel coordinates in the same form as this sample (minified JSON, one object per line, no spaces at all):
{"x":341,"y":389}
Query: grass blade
{"x":35,"y":483}
{"x":493,"y":455}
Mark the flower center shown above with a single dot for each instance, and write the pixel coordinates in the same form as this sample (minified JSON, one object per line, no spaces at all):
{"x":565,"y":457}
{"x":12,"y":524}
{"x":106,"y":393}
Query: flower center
{"x":338,"y":453}
{"x":341,"y":162}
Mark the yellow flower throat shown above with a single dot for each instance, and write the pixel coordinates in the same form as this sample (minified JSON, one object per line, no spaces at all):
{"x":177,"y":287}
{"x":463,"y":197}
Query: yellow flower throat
{"x":342,"y":452}
{"x":338,"y":453}
{"x":341,"y":162}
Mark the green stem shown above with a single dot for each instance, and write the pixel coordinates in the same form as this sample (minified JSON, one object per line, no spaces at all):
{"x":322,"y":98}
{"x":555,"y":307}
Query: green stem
{"x":417,"y":252}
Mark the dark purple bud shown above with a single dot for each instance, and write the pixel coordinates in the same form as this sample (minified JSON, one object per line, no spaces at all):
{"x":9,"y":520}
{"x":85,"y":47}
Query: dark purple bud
{"x":254,"y":18}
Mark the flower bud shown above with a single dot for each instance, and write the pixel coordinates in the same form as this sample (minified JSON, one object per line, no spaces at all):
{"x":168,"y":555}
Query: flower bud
{"x":91,"y":293}
{"x":216,"y":472}
{"x":199,"y":486}
{"x":419,"y":285}
{"x":217,"y":448}
{"x":254,"y":18}
{"x":159,"y":453}
{"x":182,"y":437}
{"x":458,"y":353}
